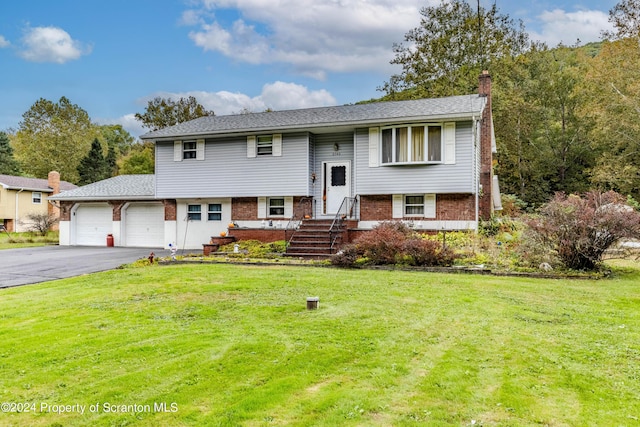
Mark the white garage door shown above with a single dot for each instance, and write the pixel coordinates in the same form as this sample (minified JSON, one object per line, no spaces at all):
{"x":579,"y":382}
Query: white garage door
{"x":93,"y":223}
{"x":144,"y":225}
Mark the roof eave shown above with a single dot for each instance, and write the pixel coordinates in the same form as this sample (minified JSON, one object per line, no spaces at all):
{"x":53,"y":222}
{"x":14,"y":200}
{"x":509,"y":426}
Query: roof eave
{"x":310,"y":127}
{"x":101,"y":198}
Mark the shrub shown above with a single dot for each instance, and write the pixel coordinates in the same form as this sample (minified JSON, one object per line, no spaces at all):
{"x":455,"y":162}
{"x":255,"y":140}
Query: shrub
{"x":41,"y":223}
{"x":581,"y":229}
{"x":418,"y":251}
{"x":394,"y":243}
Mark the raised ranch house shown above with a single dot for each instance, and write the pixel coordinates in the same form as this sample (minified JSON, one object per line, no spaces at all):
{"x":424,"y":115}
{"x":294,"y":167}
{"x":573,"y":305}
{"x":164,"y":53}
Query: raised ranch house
{"x":21,"y":197}
{"x":333,"y":171}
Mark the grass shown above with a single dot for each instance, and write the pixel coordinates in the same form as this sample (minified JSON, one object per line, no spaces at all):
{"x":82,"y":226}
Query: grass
{"x":26,"y":240}
{"x":228,"y":345}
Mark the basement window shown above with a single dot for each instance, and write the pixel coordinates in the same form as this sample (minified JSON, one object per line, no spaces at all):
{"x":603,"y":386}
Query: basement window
{"x":194,"y":212}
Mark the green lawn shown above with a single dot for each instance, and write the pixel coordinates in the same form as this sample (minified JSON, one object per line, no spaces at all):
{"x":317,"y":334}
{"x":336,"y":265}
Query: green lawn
{"x":235,"y":345}
{"x":26,"y":240}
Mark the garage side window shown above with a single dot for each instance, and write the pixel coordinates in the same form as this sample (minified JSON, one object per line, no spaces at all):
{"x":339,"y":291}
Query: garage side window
{"x":214,"y":212}
{"x":194,"y":212}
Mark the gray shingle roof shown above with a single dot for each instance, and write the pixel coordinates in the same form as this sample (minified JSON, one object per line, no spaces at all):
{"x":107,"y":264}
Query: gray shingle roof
{"x":360,"y":114}
{"x":33,"y":184}
{"x":133,"y":187}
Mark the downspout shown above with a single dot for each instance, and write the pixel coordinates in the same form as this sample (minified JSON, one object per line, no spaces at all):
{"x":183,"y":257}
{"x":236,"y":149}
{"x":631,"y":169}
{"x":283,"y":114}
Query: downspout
{"x":476,"y":178}
{"x":15,"y":224}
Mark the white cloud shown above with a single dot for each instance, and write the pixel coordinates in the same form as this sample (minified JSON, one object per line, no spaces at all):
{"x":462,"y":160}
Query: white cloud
{"x":4,"y":42}
{"x":276,"y":96}
{"x":315,"y":37}
{"x":51,"y":44}
{"x":559,"y":26}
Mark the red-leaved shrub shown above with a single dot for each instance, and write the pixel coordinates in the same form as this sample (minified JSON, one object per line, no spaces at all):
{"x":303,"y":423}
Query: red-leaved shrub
{"x":581,"y":229}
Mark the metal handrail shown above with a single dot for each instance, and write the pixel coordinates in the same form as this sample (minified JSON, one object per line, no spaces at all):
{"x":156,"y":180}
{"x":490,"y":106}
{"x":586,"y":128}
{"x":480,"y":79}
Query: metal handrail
{"x":346,"y":210}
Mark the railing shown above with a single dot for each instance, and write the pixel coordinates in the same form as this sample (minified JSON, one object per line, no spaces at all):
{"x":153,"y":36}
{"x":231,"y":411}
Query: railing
{"x":305,"y":209}
{"x":347,"y":210}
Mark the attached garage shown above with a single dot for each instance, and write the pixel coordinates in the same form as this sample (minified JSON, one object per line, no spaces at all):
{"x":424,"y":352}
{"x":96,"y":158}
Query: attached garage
{"x":143,"y":225}
{"x":93,"y":221}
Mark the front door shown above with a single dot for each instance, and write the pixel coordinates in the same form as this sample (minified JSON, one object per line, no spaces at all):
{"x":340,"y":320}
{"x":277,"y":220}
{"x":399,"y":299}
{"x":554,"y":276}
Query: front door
{"x":337,"y":185}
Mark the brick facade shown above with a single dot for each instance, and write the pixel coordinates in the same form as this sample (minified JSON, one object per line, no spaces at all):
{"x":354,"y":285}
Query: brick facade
{"x":263,"y":235}
{"x":376,"y":208}
{"x":244,"y":208}
{"x":170,"y":209}
{"x":455,"y":207}
{"x":117,"y":205}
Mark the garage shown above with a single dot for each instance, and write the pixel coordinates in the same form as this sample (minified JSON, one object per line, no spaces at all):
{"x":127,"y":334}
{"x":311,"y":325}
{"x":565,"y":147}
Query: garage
{"x":143,"y":225}
{"x":93,"y":223}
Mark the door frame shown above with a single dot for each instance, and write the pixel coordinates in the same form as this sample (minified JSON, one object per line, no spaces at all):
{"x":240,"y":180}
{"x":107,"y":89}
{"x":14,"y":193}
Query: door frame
{"x":325,"y":182}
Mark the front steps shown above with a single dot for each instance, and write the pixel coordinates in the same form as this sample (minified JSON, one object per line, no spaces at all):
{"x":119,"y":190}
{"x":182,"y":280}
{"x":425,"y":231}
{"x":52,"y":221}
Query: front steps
{"x":312,"y":239}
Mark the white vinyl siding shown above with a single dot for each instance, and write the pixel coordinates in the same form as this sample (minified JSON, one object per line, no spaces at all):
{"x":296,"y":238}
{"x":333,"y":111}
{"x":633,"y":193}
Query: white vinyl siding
{"x":420,"y":177}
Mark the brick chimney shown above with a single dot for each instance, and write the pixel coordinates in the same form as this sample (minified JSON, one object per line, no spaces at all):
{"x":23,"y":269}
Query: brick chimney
{"x":54,"y":183}
{"x":486,"y":152}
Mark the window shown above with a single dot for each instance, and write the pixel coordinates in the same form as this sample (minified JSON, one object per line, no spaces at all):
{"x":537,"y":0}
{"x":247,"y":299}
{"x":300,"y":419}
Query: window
{"x":194,"y":212}
{"x":411,"y":144}
{"x":414,"y":205}
{"x":264,"y":145}
{"x":214,"y":213}
{"x":36,"y":198}
{"x":189,"y":150}
{"x":276,"y":207}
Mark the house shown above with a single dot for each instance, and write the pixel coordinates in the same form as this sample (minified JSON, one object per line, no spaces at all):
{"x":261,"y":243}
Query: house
{"x":427,"y":162}
{"x":21,"y":197}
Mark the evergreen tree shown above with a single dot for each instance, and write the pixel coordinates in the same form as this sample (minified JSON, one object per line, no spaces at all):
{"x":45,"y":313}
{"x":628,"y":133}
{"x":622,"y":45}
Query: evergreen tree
{"x":93,"y":167}
{"x":8,"y":164}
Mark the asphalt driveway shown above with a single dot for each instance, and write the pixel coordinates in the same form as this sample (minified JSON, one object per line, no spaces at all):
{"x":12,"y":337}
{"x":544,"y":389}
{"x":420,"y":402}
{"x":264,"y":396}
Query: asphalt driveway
{"x":32,"y":265}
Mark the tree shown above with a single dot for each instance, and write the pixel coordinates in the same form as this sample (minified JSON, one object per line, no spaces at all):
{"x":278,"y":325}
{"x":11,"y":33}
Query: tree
{"x":41,"y":222}
{"x":94,"y":166}
{"x":161,"y":113}
{"x":53,"y":136}
{"x":140,"y":160}
{"x":613,"y":95}
{"x":116,"y":137}
{"x":581,"y":229}
{"x":542,"y":137}
{"x":8,"y":164}
{"x":625,"y":17}
{"x":445,"y":54}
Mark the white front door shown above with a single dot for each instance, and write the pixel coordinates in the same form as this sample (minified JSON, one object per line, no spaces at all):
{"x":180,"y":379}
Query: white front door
{"x":337,"y":185}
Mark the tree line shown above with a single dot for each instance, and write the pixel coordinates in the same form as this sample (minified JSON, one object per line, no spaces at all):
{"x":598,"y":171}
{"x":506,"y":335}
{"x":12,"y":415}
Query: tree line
{"x":61,"y":136}
{"x":567,"y":118}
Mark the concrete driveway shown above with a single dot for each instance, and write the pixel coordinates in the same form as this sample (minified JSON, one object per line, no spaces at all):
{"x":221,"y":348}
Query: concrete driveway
{"x":41,"y":264}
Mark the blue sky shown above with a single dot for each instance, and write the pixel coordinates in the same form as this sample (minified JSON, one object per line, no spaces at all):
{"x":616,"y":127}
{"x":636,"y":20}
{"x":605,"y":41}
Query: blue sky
{"x":111,"y":56}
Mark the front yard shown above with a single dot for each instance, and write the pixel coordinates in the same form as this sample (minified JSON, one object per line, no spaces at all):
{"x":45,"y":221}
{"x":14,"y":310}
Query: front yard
{"x":234,"y":345}
{"x":26,"y":240}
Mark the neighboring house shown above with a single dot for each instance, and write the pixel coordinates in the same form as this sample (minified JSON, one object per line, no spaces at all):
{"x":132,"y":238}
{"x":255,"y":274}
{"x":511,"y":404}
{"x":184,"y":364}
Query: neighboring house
{"x":427,"y":162}
{"x":21,"y":197}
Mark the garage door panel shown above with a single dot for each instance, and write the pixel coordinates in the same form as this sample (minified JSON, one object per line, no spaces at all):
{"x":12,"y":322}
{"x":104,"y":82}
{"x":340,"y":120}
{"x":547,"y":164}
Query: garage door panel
{"x":144,"y":225}
{"x":93,"y":223}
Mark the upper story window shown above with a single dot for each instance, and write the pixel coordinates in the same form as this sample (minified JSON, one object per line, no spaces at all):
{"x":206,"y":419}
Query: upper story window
{"x":189,"y":150}
{"x":36,"y":197}
{"x":418,"y":143}
{"x":194,"y":212}
{"x":264,"y":145}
